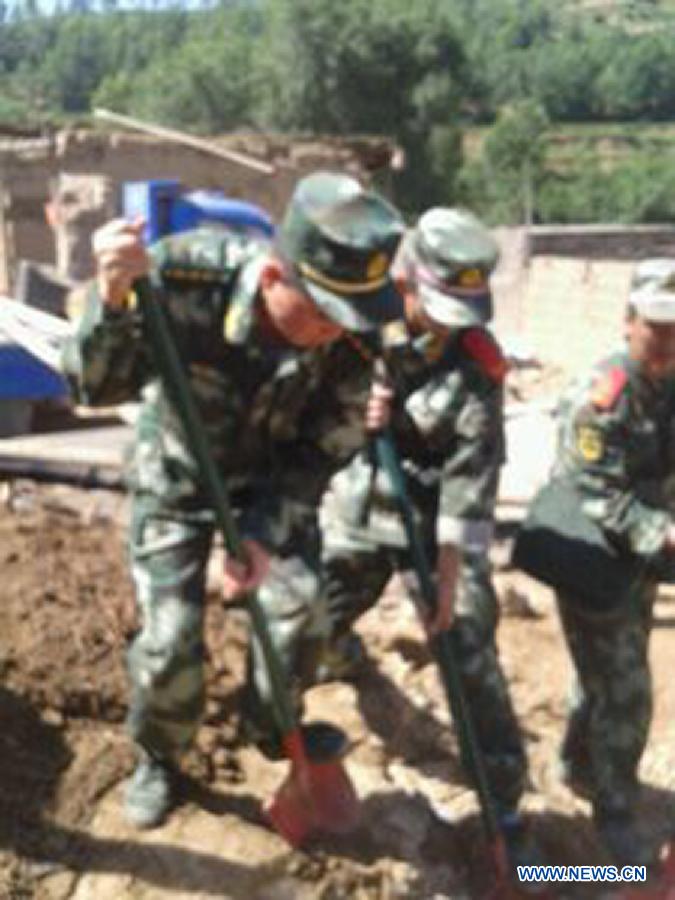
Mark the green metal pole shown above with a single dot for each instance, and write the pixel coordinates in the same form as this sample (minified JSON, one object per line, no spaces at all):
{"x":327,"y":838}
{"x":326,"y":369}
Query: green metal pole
{"x":441,"y":643}
{"x":172,"y":373}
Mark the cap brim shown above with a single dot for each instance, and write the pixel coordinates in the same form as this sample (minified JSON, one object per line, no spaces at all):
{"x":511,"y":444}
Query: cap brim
{"x":653,"y":306}
{"x":358,"y":312}
{"x":455,"y":311}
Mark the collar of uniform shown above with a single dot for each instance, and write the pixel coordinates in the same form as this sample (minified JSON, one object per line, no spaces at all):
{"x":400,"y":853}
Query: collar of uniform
{"x":430,"y":346}
{"x":646,"y":388}
{"x":436,"y":346}
{"x":240,"y":316}
{"x":397,"y":338}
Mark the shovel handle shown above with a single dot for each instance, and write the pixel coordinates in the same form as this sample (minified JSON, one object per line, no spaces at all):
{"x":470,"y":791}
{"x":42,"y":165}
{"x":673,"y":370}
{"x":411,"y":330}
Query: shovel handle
{"x":172,"y":373}
{"x":441,"y":643}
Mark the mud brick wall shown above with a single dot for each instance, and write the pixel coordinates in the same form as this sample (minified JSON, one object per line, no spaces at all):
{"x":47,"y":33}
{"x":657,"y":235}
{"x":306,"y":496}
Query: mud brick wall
{"x":28,"y":166}
{"x":23,"y":229}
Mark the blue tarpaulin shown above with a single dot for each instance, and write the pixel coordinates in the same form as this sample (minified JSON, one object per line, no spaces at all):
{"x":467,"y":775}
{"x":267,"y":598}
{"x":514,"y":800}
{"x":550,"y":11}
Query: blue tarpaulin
{"x":22,"y":376}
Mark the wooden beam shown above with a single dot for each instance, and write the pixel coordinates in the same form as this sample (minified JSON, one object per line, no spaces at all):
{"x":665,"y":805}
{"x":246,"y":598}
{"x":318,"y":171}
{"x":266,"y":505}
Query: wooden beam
{"x":180,"y":137}
{"x":44,"y":471}
{"x":97,"y":446}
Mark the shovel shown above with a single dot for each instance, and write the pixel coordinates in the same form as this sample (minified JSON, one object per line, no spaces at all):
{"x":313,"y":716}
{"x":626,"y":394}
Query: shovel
{"x":315,"y":796}
{"x":442,"y":649}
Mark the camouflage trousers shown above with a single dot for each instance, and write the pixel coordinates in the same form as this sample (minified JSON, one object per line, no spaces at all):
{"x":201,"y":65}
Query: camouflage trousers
{"x":610,"y":699}
{"x":355,"y":572}
{"x":165,"y":659}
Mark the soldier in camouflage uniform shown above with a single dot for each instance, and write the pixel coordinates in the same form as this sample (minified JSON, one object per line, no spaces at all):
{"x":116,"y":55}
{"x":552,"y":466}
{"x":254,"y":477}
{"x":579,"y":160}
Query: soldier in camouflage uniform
{"x":617,"y":442}
{"x":283,"y":403}
{"x":449,"y":431}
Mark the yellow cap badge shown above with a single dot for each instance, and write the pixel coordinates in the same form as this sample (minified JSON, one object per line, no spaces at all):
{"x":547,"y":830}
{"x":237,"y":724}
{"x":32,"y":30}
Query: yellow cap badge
{"x":377,"y":266}
{"x":470,"y":278}
{"x":589,"y":443}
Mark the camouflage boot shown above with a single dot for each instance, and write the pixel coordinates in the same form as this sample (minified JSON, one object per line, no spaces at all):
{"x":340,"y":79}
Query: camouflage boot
{"x":521,"y":849}
{"x":576,"y":777}
{"x":149,"y":795}
{"x":624,"y":841}
{"x":574,"y":763}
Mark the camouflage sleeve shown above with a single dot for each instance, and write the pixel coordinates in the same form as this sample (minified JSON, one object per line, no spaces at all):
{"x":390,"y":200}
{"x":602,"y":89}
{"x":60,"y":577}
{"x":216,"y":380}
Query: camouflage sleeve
{"x":202,"y":255}
{"x":108,"y":361}
{"x":595,"y":449}
{"x":105,"y":360}
{"x":462,"y":423}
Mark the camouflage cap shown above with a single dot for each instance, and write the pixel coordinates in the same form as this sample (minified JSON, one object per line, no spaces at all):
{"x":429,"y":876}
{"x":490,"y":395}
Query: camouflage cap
{"x":652,"y":292}
{"x":450,"y":254}
{"x":341,"y":239}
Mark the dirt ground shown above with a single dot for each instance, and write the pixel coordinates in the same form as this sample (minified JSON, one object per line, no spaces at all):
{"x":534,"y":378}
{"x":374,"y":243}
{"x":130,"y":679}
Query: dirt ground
{"x":65,"y":613}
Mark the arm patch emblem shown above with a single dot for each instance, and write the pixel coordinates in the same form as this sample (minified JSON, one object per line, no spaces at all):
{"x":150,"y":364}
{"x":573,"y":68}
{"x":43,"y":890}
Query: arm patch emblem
{"x":590,"y":443}
{"x":484,"y":349}
{"x":608,"y":387}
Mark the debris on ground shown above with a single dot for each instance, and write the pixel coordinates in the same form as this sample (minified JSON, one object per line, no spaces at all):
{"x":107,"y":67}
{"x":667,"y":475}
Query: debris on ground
{"x":65,"y":615}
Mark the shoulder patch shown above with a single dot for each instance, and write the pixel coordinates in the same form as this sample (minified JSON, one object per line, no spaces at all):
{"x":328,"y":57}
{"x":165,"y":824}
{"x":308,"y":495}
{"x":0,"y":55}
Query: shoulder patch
{"x":193,"y":274}
{"x":199,"y":256}
{"x":590,"y":443}
{"x":607,"y":388}
{"x":484,"y":349}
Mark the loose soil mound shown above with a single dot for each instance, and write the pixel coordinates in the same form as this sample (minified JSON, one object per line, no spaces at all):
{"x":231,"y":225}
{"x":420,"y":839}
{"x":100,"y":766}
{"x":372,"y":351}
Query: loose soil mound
{"x":65,"y":614}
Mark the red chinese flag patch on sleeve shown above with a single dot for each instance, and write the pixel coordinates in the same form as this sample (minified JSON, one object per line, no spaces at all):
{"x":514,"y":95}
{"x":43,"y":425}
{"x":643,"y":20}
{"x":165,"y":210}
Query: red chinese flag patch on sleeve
{"x":481,"y":346}
{"x":607,"y":388}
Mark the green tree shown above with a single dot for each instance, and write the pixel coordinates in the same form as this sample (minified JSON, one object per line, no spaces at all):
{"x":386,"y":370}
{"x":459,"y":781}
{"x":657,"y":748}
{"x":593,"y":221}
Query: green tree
{"x":503,"y":182}
{"x":73,"y":67}
{"x":501,"y":42}
{"x":565,"y":72}
{"x":641,"y":190}
{"x":639,"y":79}
{"x":369,"y":66}
{"x":211,"y":74}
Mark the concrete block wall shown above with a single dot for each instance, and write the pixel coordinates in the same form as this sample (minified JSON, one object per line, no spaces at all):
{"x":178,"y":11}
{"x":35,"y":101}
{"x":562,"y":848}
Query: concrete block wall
{"x":602,"y":241}
{"x":573,"y":309}
{"x":563,"y":289}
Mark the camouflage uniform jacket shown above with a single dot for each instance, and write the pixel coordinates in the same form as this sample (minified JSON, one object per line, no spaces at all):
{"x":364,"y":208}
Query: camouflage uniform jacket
{"x":280,"y":420}
{"x":617,"y":441}
{"x":449,"y":432}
